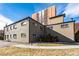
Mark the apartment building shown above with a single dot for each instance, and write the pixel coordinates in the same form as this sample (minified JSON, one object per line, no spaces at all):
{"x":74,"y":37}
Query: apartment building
{"x":24,"y":31}
{"x":43,"y":23}
{"x":44,"y":15}
{"x":28,"y":30}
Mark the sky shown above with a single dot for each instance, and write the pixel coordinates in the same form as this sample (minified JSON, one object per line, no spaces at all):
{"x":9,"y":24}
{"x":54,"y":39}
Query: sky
{"x":11,"y":12}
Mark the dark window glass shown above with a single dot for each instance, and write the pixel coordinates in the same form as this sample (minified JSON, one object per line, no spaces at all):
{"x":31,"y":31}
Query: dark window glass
{"x":34,"y":35}
{"x":23,"y":35}
{"x":14,"y":36}
{"x":23,"y":23}
{"x":51,"y":27}
{"x":41,"y":28}
{"x":64,"y":26}
{"x":10,"y":27}
{"x":14,"y":26}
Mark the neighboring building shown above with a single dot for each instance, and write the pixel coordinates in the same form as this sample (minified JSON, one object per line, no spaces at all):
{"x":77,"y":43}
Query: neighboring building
{"x":56,"y":19}
{"x":44,"y":15}
{"x":24,"y":31}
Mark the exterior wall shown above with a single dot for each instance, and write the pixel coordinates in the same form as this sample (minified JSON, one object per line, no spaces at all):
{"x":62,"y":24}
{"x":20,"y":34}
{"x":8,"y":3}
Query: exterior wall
{"x":55,"y":20}
{"x":35,"y":31}
{"x":76,"y":27}
{"x":34,"y":16}
{"x":51,"y":11}
{"x":64,"y":31}
{"x":44,"y":15}
{"x":20,"y":29}
{"x":65,"y":34}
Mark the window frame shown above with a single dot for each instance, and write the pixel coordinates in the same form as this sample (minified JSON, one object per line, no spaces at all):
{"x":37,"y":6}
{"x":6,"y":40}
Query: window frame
{"x":41,"y":28}
{"x":23,"y":24}
{"x":14,"y":26}
{"x":64,"y":25}
{"x":14,"y":36}
{"x":34,"y":35}
{"x":10,"y":27}
{"x":50,"y":27}
{"x":23,"y":35}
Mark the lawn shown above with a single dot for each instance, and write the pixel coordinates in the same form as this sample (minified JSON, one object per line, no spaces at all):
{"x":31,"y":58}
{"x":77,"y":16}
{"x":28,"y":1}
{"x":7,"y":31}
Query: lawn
{"x":13,"y":51}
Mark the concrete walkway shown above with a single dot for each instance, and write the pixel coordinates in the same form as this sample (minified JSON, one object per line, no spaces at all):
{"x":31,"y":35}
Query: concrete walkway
{"x":48,"y":47}
{"x":7,"y":44}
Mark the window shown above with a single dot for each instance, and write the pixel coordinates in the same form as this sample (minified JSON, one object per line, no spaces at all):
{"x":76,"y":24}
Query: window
{"x":23,"y":35}
{"x":37,"y":16}
{"x":34,"y":35}
{"x":7,"y":36}
{"x":41,"y":28}
{"x":35,"y":24}
{"x":14,"y":26}
{"x":64,"y":26}
{"x":23,"y":23}
{"x":51,"y":27}
{"x":14,"y":36}
{"x":10,"y":36}
{"x":7,"y":28}
{"x":10,"y":27}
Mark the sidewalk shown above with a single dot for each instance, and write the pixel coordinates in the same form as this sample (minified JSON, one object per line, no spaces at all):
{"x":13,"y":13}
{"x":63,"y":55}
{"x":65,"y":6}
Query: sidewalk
{"x":7,"y":44}
{"x":47,"y":47}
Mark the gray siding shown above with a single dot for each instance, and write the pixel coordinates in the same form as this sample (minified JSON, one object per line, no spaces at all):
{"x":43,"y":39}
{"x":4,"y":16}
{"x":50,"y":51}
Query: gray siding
{"x":34,"y":29}
{"x":20,"y":29}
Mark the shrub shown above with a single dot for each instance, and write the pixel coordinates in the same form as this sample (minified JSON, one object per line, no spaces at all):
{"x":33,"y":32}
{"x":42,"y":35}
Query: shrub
{"x":1,"y":38}
{"x":77,"y":36}
{"x":47,"y":38}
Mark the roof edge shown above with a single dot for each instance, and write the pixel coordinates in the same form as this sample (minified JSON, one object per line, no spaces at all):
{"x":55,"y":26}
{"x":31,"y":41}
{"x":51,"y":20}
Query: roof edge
{"x":18,"y":21}
{"x":62,"y":23}
{"x":57,"y":16}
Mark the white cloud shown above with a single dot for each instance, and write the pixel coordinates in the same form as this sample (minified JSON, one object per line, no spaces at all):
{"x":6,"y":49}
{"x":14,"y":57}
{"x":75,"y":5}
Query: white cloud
{"x":72,"y":10}
{"x":4,"y":21}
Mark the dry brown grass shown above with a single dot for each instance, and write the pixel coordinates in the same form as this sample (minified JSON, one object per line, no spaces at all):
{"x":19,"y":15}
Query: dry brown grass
{"x":12,"y":51}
